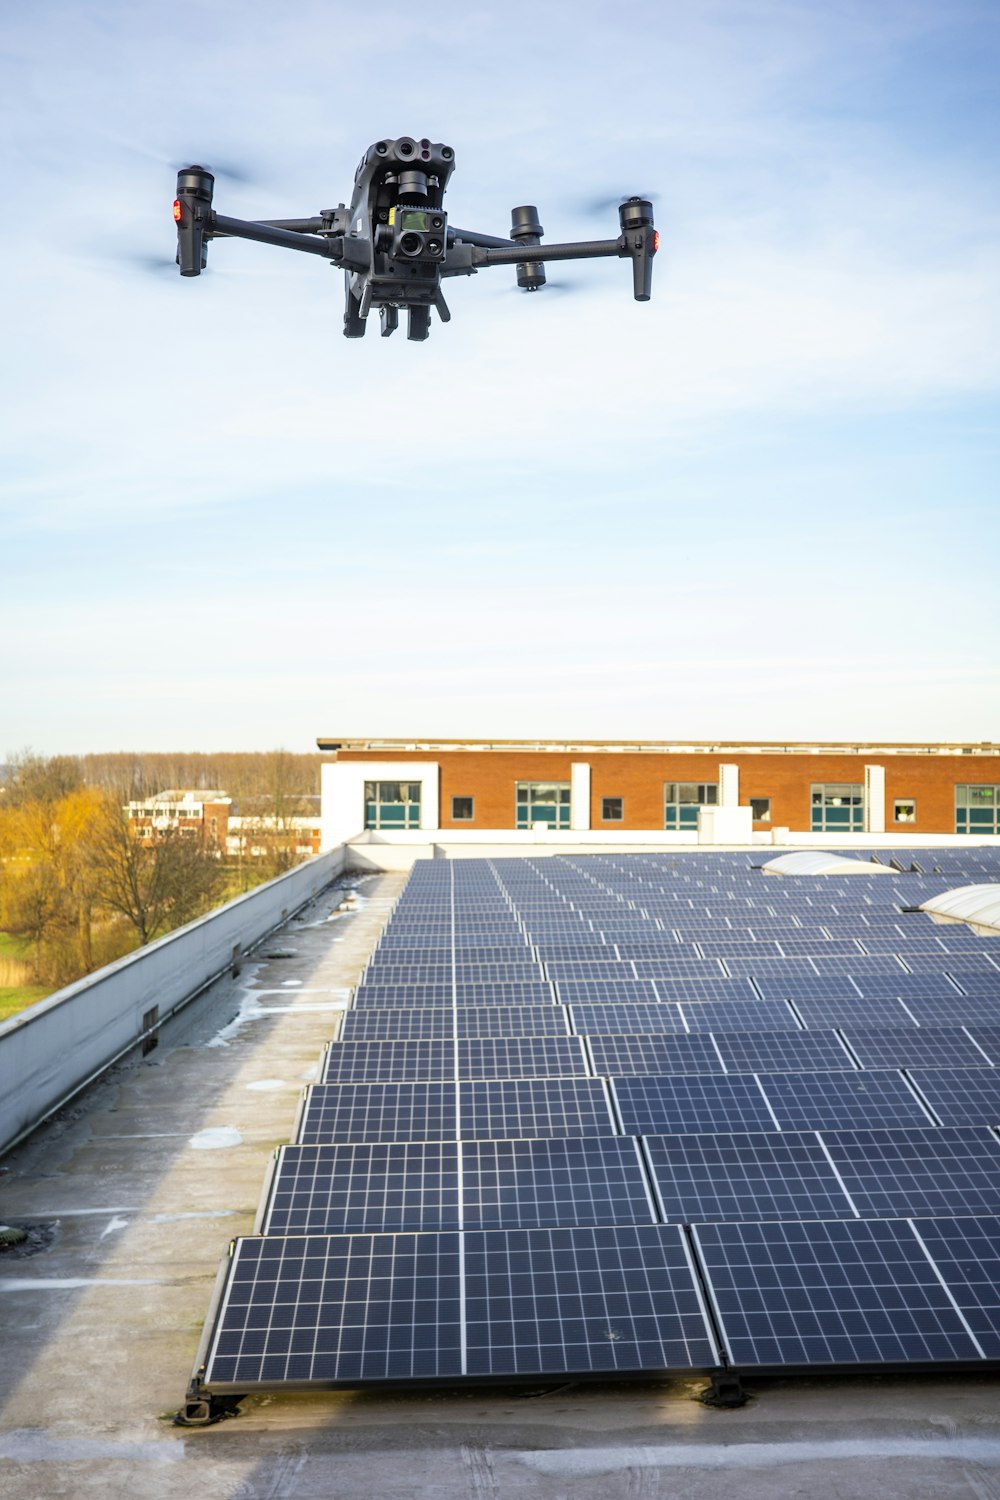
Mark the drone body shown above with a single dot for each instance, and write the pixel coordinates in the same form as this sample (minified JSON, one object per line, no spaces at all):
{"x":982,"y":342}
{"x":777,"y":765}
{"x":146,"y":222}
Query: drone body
{"x":394,"y":241}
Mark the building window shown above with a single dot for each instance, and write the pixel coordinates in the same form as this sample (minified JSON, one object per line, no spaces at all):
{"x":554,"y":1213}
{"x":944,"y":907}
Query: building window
{"x":976,"y":809}
{"x":612,"y":809}
{"x":837,"y":807}
{"x":682,"y":799}
{"x":542,"y":802}
{"x":760,"y":808}
{"x":392,"y":804}
{"x":904,"y":810}
{"x":462,"y":809}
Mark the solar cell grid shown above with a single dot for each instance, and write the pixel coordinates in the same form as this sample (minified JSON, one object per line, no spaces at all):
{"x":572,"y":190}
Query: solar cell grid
{"x":691,"y":1104}
{"x":620,"y":1055}
{"x":967,"y":1253}
{"x":521,"y":1057}
{"x":912,"y":1172}
{"x":831,"y":1011}
{"x":924,"y":1046}
{"x":725,"y":1177}
{"x":961,"y":1096}
{"x":370,"y":1062}
{"x":738,"y":1015}
{"x":609,"y":1019}
{"x":395,"y":1024}
{"x":606,"y":990}
{"x":339,"y":1309}
{"x":836,"y":1292}
{"x":364,"y":1188}
{"x":842,"y":1100}
{"x":503,"y":1109}
{"x":377,"y":1112}
{"x":960,"y":1010}
{"x":540,"y":1184}
{"x":781,"y":1051}
{"x":583,"y":1300}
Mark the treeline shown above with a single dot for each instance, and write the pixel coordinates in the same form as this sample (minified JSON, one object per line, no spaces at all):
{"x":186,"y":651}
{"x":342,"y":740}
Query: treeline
{"x":79,"y":889}
{"x":130,"y":776}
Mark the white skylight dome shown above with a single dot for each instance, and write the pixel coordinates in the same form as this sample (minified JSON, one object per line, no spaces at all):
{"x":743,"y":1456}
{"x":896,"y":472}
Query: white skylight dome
{"x":976,"y":905}
{"x":816,"y":862}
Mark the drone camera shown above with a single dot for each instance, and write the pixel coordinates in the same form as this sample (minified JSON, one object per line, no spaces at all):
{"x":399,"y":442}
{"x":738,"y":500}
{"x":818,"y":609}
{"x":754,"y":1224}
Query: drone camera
{"x":641,"y":242}
{"x":418,"y":233}
{"x":192,"y":215}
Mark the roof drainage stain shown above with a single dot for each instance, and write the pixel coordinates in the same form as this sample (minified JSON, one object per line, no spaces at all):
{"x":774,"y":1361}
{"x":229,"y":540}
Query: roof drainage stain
{"x":218,"y":1138}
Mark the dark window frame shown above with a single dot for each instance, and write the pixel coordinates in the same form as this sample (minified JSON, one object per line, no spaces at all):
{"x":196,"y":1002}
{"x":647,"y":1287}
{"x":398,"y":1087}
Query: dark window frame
{"x":470,"y":816}
{"x":618,"y":817}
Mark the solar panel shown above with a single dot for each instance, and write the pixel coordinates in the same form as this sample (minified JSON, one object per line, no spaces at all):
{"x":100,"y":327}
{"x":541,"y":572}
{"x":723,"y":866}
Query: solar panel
{"x":492,"y":1109}
{"x":843,"y":1292}
{"x":905,"y":1173}
{"x":691,"y":1103}
{"x":724,"y":1177}
{"x":521,"y":1057}
{"x":392,"y":1186}
{"x":961,"y":1096}
{"x":781,"y":1051}
{"x":739,"y":1015}
{"x":653,"y":1052}
{"x":444,"y":1021}
{"x":611,"y":991}
{"x":377,"y":1112}
{"x":410,"y":1023}
{"x":842,"y":1100}
{"x":967,"y":1253}
{"x":850,"y":1012}
{"x":926,"y":1046}
{"x":341,"y":1309}
{"x":640,"y":1057}
{"x":610,"y":1019}
{"x":379,"y":1062}
{"x":535,"y":1184}
{"x":575,"y":1301}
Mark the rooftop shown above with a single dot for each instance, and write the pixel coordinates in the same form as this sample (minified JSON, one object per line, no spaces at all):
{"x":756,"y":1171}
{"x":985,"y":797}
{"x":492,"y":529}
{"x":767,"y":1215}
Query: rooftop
{"x":133,"y":1193}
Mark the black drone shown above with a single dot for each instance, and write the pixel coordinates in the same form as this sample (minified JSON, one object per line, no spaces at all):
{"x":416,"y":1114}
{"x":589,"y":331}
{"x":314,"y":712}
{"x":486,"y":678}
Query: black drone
{"x":394,"y":241}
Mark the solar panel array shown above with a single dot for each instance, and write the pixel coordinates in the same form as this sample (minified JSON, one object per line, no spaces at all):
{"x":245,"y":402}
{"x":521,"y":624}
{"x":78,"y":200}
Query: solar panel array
{"x":639,"y":1113}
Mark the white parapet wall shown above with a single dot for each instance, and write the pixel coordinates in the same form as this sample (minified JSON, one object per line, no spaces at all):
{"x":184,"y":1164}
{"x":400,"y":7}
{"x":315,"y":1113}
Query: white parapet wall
{"x":52,"y":1049}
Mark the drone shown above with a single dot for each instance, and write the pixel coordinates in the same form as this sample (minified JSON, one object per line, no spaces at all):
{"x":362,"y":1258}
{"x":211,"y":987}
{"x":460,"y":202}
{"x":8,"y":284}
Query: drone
{"x":394,"y":242}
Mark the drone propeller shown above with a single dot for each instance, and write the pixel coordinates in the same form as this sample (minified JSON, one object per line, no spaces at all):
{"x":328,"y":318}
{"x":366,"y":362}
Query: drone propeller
{"x":606,"y":204}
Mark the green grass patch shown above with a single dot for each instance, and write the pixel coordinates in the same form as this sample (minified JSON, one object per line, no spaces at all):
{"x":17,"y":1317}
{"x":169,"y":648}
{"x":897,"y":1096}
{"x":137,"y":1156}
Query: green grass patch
{"x":14,"y":998}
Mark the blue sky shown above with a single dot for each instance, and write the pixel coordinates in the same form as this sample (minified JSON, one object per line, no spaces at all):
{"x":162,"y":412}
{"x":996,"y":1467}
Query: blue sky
{"x":762,"y":505}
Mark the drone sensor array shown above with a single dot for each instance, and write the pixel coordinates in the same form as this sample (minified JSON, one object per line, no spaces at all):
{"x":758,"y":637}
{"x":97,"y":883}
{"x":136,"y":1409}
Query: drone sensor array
{"x":394,"y":241}
{"x":520,"y":1163}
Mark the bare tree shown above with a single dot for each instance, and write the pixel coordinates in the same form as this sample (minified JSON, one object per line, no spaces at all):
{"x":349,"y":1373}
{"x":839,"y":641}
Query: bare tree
{"x":155,"y":885}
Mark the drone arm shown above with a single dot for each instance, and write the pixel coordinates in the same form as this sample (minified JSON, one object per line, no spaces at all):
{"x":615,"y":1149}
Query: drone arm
{"x":271,"y":234}
{"x":577,"y":250}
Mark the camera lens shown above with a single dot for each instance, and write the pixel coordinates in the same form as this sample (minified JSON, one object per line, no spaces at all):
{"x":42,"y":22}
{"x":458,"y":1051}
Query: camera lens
{"x":411,"y":244}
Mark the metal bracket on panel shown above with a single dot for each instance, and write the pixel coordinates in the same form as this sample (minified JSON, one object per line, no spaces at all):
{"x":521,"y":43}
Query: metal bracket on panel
{"x":724,"y":1390}
{"x":203,"y":1409}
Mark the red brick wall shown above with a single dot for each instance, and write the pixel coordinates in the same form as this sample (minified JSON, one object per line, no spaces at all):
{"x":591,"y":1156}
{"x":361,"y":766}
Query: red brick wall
{"x":489,"y":776}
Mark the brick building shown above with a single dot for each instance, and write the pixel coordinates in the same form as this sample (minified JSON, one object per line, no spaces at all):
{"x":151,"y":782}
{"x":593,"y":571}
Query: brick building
{"x":683,"y":792}
{"x":195,"y":814}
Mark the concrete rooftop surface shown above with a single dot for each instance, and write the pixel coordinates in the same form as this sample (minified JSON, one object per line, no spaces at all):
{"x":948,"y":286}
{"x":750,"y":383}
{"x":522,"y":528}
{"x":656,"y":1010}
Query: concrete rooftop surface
{"x":132,"y":1195}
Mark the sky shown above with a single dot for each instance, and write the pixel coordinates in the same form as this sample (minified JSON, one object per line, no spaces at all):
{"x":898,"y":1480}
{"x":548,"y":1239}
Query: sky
{"x":761,"y":506}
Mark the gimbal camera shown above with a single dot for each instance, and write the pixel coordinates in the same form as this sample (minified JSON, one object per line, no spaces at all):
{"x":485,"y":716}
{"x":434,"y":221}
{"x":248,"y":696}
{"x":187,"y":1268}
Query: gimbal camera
{"x":394,"y":241}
